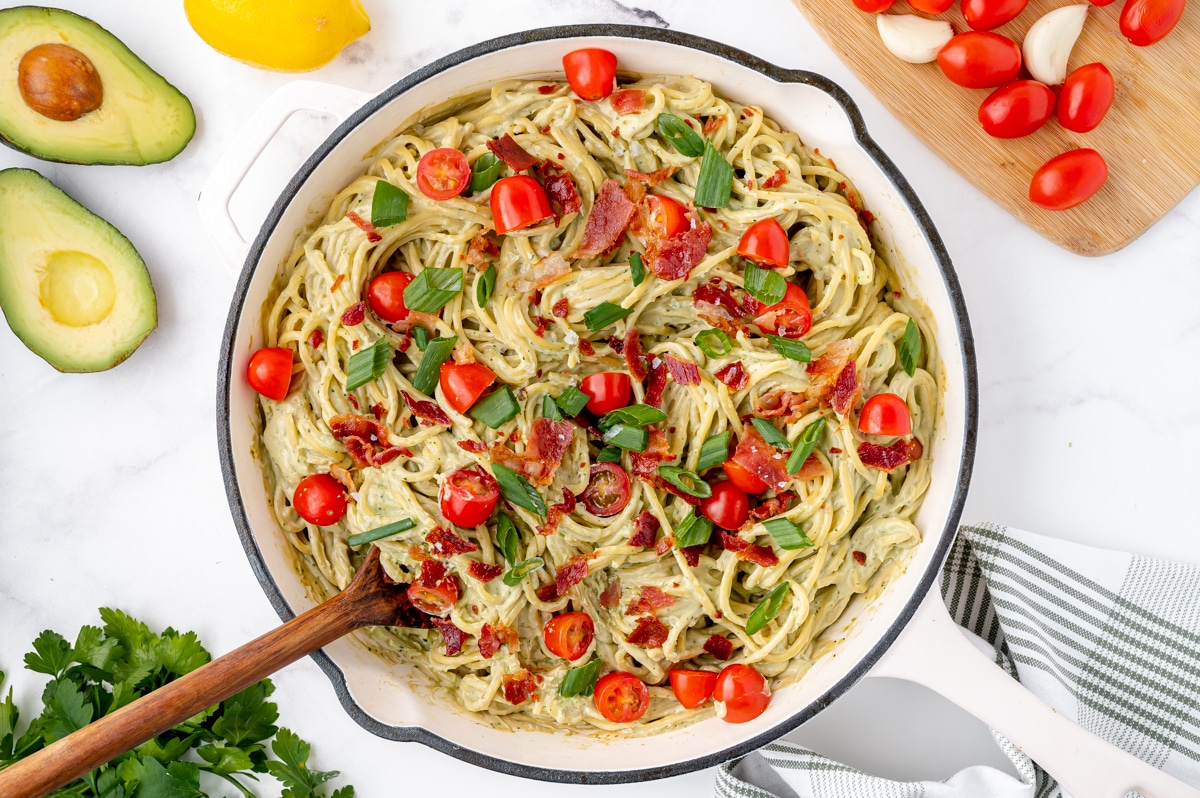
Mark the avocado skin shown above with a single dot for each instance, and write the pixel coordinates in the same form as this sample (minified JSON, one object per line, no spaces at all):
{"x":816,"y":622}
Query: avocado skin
{"x":23,"y":27}
{"x":37,"y":220}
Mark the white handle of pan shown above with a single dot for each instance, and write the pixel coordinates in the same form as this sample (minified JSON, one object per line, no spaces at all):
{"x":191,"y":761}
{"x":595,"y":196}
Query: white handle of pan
{"x":933,"y":651}
{"x":248,"y":145}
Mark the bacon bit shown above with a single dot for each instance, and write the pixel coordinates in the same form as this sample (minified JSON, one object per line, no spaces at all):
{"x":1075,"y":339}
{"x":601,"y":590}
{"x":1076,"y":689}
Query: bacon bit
{"x":866,"y":217}
{"x":463,"y":353}
{"x":648,"y":601}
{"x":337,"y":281}
{"x":391,"y":453}
{"x":519,"y":687}
{"x":657,"y":384}
{"x":542,"y":324}
{"x":354,"y":348}
{"x":610,"y":217}
{"x":649,"y":632}
{"x":812,"y":468}
{"x":845,"y":390}
{"x":645,"y":529}
{"x":405,"y":342}
{"x":734,"y":375}
{"x":859,"y":557}
{"x":513,"y":154}
{"x":447,"y":544}
{"x":547,"y":445}
{"x":616,"y":132}
{"x":361,"y":452}
{"x":750,"y":184}
{"x":316,"y":338}
{"x":631,"y":348}
{"x":547,"y":592}
{"x":760,"y":555}
{"x":488,"y":644}
{"x":905,"y":450}
{"x":653,"y":178}
{"x":428,"y":413}
{"x":561,"y":308}
{"x":731,"y":542}
{"x":514,"y":436}
{"x":365,"y":226}
{"x":484,"y":572}
{"x":432,"y":572}
{"x":354,"y":314}
{"x":629,"y":101}
{"x":546,"y":89}
{"x":822,"y":374}
{"x":664,"y":545}
{"x":683,"y":372}
{"x":563,"y":196}
{"x":719,"y":647}
{"x":760,"y":458}
{"x":451,"y":634}
{"x":611,"y":597}
{"x":346,"y":424}
{"x":645,"y":464}
{"x":586,"y":348}
{"x":482,"y":250}
{"x":691,"y":555}
{"x":674,"y":258}
{"x":537,"y":297}
{"x":378,"y":410}
{"x":549,"y":269}
{"x":417,"y":553}
{"x":572,"y":573}
{"x":773,"y":506}
{"x":712,"y":123}
{"x":557,"y":512}
{"x":776,"y":180}
{"x":342,"y":476}
{"x":720,"y":308}
{"x":472,"y":446}
{"x":353,"y":400}
{"x":834,"y":450}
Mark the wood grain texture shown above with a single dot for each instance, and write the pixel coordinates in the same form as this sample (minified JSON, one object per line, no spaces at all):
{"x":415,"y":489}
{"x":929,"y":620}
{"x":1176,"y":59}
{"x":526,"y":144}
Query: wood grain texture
{"x":1150,"y":138}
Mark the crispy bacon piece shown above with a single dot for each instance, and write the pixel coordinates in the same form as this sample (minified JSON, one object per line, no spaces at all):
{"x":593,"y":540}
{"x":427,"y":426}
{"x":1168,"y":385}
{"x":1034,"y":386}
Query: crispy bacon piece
{"x":484,"y":572}
{"x":547,"y":445}
{"x":719,"y":647}
{"x":385,"y":456}
{"x":824,"y":371}
{"x":547,"y":592}
{"x":482,"y":250}
{"x":451,"y":634}
{"x":417,"y":552}
{"x":513,"y":154}
{"x":812,"y":468}
{"x":416,"y":319}
{"x":674,"y":258}
{"x":563,"y":196}
{"x":548,"y":270}
{"x":519,"y":687}
{"x":488,"y":644}
{"x":432,"y":572}
{"x":586,"y":348}
{"x":463,"y":353}
{"x":379,"y":411}
{"x":776,"y":180}
{"x":664,"y":545}
{"x":658,"y":382}
{"x":428,"y":413}
{"x":346,"y":424}
{"x":546,"y":89}
{"x":760,"y":555}
{"x":342,"y":476}
{"x":610,"y":217}
{"x":648,"y":601}
{"x":845,"y":390}
{"x":776,"y":403}
{"x":354,"y":315}
{"x":734,"y":375}
{"x":731,"y":542}
{"x":557,"y":512}
{"x":561,"y":308}
{"x":691,"y":555}
{"x":631,"y":348}
{"x":823,"y":375}
{"x":472,"y":446}
{"x":649,"y":632}
{"x":368,"y":228}
{"x":645,"y":529}
{"x":361,"y":452}
{"x":447,"y":544}
{"x":860,"y":557}
{"x":760,"y":458}
{"x":644,"y":465}
{"x":629,"y":101}
{"x":316,"y":338}
{"x":635,"y":190}
{"x":773,"y":506}
{"x":572,"y":573}
{"x":712,"y":300}
{"x":889,"y":458}
{"x":611,"y":597}
{"x":652,"y":178}
{"x":683,"y":372}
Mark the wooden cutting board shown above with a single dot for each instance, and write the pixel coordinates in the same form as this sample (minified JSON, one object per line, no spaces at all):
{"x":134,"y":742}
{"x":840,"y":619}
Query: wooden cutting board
{"x":1150,"y":137}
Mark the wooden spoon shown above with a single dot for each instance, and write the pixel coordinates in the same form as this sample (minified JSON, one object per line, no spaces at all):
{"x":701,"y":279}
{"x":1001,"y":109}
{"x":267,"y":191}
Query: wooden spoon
{"x":369,"y":600}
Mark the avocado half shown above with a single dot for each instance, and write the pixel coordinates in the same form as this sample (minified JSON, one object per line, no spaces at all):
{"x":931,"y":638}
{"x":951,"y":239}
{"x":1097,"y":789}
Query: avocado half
{"x":72,"y":288}
{"x":99,"y":103}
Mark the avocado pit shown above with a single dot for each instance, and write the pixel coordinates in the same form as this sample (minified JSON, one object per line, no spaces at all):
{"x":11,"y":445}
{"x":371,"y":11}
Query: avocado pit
{"x":77,"y":289}
{"x":59,"y":82}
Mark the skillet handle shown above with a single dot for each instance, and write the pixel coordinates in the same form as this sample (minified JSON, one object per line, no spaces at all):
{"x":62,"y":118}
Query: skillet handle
{"x":935,"y":652}
{"x":233,"y":165}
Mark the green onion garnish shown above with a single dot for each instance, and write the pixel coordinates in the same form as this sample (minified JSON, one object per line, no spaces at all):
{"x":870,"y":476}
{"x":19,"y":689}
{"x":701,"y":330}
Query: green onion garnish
{"x":714,"y":343}
{"x":508,"y":538}
{"x":637,"y":269}
{"x":485,"y":284}
{"x":381,"y":532}
{"x":694,"y":530}
{"x":715,"y":183}
{"x":634,"y":439}
{"x":421,"y":338}
{"x":517,"y":490}
{"x":497,"y":408}
{"x":550,"y":409}
{"x":804,"y":444}
{"x":609,"y":454}
{"x":581,"y":680}
{"x":572,"y":401}
{"x":909,"y":348}
{"x":484,"y":172}
{"x":632,"y":416}
{"x":787,"y":533}
{"x":770,"y":433}
{"x":604,"y":314}
{"x":765,"y":285}
{"x":436,"y":353}
{"x":432,"y":289}
{"x":367,"y":364}
{"x":791,"y":348}
{"x":389,"y":205}
{"x":687,"y":481}
{"x":522,"y":569}
{"x":714,"y":451}
{"x":680,"y":135}
{"x":767,"y":609}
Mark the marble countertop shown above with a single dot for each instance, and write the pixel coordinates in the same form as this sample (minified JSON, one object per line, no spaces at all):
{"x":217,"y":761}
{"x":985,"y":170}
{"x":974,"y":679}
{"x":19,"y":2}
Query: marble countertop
{"x":111,"y":487}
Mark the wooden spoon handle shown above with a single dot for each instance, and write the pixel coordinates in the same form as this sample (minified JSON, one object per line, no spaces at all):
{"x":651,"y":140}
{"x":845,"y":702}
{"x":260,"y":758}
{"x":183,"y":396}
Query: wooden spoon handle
{"x":71,"y":757}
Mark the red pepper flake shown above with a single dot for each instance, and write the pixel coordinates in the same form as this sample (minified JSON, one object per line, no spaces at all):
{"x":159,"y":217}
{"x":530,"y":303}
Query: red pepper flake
{"x":750,"y":184}
{"x":545,"y":131}
{"x":354,"y":346}
{"x":542,"y":323}
{"x":562,"y":157}
{"x":484,"y":572}
{"x":405,"y":342}
{"x":734,"y":375}
{"x":378,"y":410}
{"x":561,"y":308}
{"x":451,"y":634}
{"x":337,"y":281}
{"x":616,"y":132}
{"x":776,"y":180}
{"x":514,"y":436}
{"x":649,"y":632}
{"x":719,"y":647}
{"x":834,"y":450}
{"x":712,"y":123}
{"x":896,"y":294}
{"x":537,"y":297}
{"x":860,"y":557}
{"x":586,"y":348}
{"x":353,"y":400}
{"x":316,"y":338}
{"x":365,"y":226}
{"x":546,"y":89}
{"x":354,"y":315}
{"x":472,"y":446}
{"x":447,"y":544}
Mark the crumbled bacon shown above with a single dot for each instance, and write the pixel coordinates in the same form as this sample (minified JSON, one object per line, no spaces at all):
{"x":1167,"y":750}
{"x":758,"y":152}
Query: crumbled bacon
{"x":346,"y":424}
{"x":889,"y":458}
{"x":484,"y":572}
{"x":649,"y":632}
{"x":361,"y":452}
{"x":432,"y":572}
{"x":629,"y":101}
{"x":606,"y":224}
{"x":542,"y":324}
{"x":316,"y":338}
{"x":519,"y":687}
{"x":645,"y":529}
{"x":379,"y":411}
{"x":823,"y":371}
{"x":658,"y":382}
{"x":845,"y":390}
{"x":859,"y":557}
{"x":482,"y":250}
{"x":823,"y":374}
{"x":773,"y":506}
{"x":417,"y":553}
{"x":563,"y":196}
{"x":674,"y":258}
{"x":813,"y":467}
{"x":546,"y":89}
{"x":451,"y":634}
{"x":611,"y":597}
{"x":734,"y":375}
{"x":365,"y":226}
{"x":631,"y":348}
{"x":548,"y":270}
{"x":342,"y":476}
{"x":547,"y":445}
{"x":635,"y":190}
{"x":404,"y":343}
{"x":447,"y":544}
{"x":760,"y":458}
{"x":618,"y":345}
{"x":776,"y":180}
{"x":547,"y":592}
{"x":731,"y":542}
{"x":649,"y":600}
{"x":691,"y":555}
{"x":760,"y":555}
{"x":488,"y":644}
{"x":719,"y":647}
{"x":464,"y":353}
{"x":572,"y":573}
{"x":664,"y":545}
{"x":652,"y":178}
{"x":561,"y":308}
{"x":385,"y":456}
{"x":428,"y":413}
{"x":472,"y":446}
{"x":683,"y":372}
{"x":513,"y":154}
{"x":644,"y":465}
{"x":586,"y":348}
{"x":355,"y":314}
{"x":556,"y":513}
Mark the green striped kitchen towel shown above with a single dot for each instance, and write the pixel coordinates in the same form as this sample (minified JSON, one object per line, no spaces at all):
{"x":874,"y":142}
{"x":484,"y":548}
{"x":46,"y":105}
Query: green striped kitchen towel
{"x":1110,"y":639}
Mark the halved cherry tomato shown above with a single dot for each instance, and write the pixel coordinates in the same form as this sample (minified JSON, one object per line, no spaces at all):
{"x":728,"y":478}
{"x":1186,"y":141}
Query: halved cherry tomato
{"x":1085,"y":97}
{"x":607,"y":491}
{"x":320,"y":499}
{"x":728,"y":506}
{"x":742,"y":693}
{"x":980,"y":59}
{"x":569,"y":635}
{"x":443,"y":173}
{"x":270,"y":372}
{"x":931,"y":6}
{"x":1146,"y":21}
{"x":463,"y":383}
{"x":791,"y":317}
{"x":873,"y":6}
{"x":1068,"y":179}
{"x":743,"y":478}
{"x":1016,"y":109}
{"x":988,"y":14}
{"x":435,"y":599}
{"x":766,"y":243}
{"x":468,"y":496}
{"x":885,"y":414}
{"x":621,"y":697}
{"x":592,"y":72}
{"x":692,"y":688}
{"x":386,"y":295}
{"x":518,"y":202}
{"x":667,"y":217}
{"x":607,"y":391}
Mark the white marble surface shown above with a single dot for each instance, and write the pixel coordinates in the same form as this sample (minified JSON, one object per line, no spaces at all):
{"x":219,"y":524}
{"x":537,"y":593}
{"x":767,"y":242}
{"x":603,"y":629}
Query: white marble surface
{"x":110,"y":485}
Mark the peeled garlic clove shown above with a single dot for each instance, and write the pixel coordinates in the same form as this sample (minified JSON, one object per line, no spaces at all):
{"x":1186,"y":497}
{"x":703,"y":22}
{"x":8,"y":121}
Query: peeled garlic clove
{"x":1047,"y":45}
{"x":914,"y":39}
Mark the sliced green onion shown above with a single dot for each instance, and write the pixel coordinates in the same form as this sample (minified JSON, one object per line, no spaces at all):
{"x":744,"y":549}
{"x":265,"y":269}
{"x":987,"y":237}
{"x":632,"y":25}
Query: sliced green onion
{"x":609,"y":454}
{"x":485,"y":284}
{"x":714,"y":343}
{"x":581,"y":680}
{"x":767,"y":609}
{"x":770,"y":433}
{"x":522,"y":569}
{"x":765,"y":285}
{"x":791,"y":348}
{"x":484,"y":172}
{"x":714,"y":451}
{"x":909,"y":348}
{"x":572,"y":401}
{"x":367,"y":364}
{"x":687,"y":481}
{"x":436,"y":353}
{"x":421,"y":338}
{"x":432,"y":289}
{"x":715,"y":183}
{"x":787,"y":533}
{"x":381,"y":532}
{"x":389,"y":205}
{"x":508,"y":538}
{"x":634,"y":439}
{"x":637,"y":269}
{"x":604,"y":314}
{"x":694,"y":530}
{"x":804,"y":444}
{"x":497,"y":408}
{"x":680,"y":135}
{"x":550,"y":409}
{"x":633,"y":416}
{"x":517,"y":490}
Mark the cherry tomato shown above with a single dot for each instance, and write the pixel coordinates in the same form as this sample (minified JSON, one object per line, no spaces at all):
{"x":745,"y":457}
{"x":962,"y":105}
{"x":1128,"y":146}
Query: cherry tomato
{"x":743,"y":478}
{"x":621,"y":697}
{"x":873,"y":6}
{"x":518,"y":202}
{"x":692,"y":688}
{"x":988,"y":14}
{"x":320,"y":499}
{"x":468,"y":496}
{"x":434,"y":599}
{"x":386,"y":296}
{"x":270,"y":372}
{"x":1016,"y":109}
{"x":607,"y":391}
{"x":766,"y":243}
{"x":728,"y":507}
{"x":885,"y":414}
{"x":463,"y":383}
{"x":443,"y":173}
{"x":980,"y":59}
{"x":667,"y":217}
{"x":1146,"y":21}
{"x":1068,"y":179}
{"x":592,"y":72}
{"x":743,"y":692}
{"x":931,"y":6}
{"x":569,"y":635}
{"x":791,"y":317}
{"x":607,"y":491}
{"x":1101,"y":2}
{"x":1085,"y":97}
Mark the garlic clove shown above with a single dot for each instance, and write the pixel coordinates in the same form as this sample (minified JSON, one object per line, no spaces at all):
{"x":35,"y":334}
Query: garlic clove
{"x":913,"y":39}
{"x":1047,"y":46}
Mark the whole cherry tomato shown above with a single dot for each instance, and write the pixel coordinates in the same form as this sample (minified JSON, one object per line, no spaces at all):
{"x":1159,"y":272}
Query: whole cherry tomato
{"x":1085,"y":97}
{"x":436,"y":599}
{"x":463,"y":383}
{"x":931,"y":6}
{"x":607,"y":391}
{"x":621,"y":697}
{"x":791,"y":317}
{"x":742,"y":693}
{"x":569,"y":635}
{"x":988,"y":14}
{"x":592,"y":72}
{"x":728,"y":506}
{"x":270,"y":372}
{"x":766,"y":243}
{"x":692,"y":688}
{"x":443,"y":173}
{"x":320,"y":499}
{"x":1016,"y":109}
{"x":468,"y":496}
{"x":1146,"y":21}
{"x":1068,"y":179}
{"x":743,"y":478}
{"x":518,"y":202}
{"x":885,"y":414}
{"x":607,"y":492}
{"x":386,"y":295}
{"x":667,"y":217}
{"x":980,"y":59}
